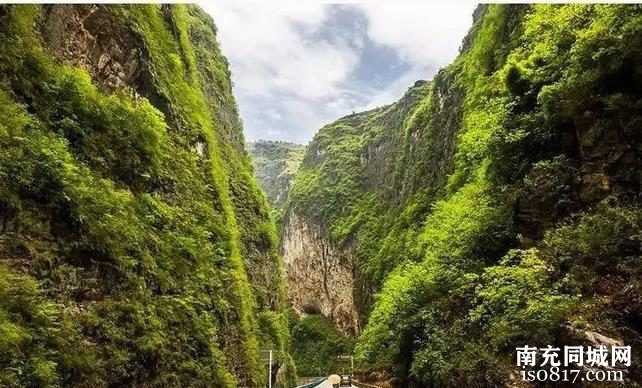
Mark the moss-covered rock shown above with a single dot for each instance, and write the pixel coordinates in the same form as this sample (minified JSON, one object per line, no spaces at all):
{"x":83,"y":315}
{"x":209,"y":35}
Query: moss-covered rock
{"x":471,"y":207}
{"x":133,"y":235}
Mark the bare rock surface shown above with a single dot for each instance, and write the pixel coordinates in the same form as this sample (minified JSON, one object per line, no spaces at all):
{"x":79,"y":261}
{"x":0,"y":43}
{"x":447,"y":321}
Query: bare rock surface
{"x":320,"y":277}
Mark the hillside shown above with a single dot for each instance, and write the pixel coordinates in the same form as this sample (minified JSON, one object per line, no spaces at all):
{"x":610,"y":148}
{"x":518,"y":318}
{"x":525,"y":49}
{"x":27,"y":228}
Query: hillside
{"x":494,"y":206}
{"x":275,"y":166}
{"x":136,"y":248}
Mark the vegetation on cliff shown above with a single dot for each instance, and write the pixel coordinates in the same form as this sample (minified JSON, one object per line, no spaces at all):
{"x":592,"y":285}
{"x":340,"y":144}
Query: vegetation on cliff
{"x":275,"y":166}
{"x":135,"y":247}
{"x":497,"y":204}
{"x":317,"y":344}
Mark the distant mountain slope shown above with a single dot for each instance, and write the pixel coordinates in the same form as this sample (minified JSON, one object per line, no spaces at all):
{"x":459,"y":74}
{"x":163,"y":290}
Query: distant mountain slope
{"x":275,"y":166}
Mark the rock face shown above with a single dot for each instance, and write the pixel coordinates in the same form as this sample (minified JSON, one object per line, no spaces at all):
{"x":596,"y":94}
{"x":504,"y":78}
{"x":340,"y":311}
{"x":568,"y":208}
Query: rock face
{"x":136,"y":249}
{"x":90,"y":38}
{"x":355,"y":170}
{"x":320,"y":277}
{"x":488,"y":207}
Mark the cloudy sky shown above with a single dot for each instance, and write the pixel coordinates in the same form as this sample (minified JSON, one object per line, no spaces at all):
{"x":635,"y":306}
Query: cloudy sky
{"x":297,"y":66}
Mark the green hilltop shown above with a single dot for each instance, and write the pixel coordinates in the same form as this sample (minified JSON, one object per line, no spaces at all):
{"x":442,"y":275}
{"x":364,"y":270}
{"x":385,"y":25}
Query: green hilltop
{"x":275,"y":166}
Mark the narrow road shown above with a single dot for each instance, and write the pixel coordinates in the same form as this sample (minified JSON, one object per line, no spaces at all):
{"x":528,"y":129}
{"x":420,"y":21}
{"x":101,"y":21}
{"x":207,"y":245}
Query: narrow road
{"x":326,"y":384}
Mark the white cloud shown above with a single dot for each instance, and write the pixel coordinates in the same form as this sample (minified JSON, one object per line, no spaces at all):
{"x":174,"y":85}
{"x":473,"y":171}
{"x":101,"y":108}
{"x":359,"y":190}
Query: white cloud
{"x":427,"y":35}
{"x":396,"y":89}
{"x":293,"y":74}
{"x":423,"y":33}
{"x":264,"y":42}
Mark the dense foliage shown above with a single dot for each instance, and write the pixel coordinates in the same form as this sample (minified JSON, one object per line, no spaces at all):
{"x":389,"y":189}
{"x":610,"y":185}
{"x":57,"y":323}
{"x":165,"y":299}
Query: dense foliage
{"x":499,"y":203}
{"x":317,"y":345}
{"x":135,"y":247}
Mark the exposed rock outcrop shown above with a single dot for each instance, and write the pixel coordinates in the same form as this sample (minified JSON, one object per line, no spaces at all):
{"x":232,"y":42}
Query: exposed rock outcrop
{"x":320,"y":277}
{"x":356,"y":169}
{"x":88,"y":37}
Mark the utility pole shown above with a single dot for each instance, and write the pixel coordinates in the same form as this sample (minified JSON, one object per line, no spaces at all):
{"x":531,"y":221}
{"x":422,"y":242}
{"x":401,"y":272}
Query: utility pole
{"x":270,"y":371}
{"x":265,"y":352}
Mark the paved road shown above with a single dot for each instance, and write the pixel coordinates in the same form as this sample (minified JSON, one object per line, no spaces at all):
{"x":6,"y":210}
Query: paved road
{"x":326,"y":384}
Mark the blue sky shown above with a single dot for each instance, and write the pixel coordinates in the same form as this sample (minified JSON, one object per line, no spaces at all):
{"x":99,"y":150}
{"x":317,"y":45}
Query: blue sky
{"x":297,"y":66}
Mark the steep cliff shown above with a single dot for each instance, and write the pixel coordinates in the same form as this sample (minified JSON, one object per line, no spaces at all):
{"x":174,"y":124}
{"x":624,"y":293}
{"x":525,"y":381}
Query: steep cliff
{"x":319,"y":276}
{"x":275,"y":166}
{"x":495,"y":206}
{"x":355,"y":171}
{"x":135,"y":247}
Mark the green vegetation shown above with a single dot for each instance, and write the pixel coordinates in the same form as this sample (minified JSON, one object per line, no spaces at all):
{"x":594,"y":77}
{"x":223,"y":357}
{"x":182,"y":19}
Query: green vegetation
{"x":275,"y":166}
{"x":316,"y":344}
{"x":127,"y":256}
{"x":497,"y":203}
{"x":495,"y":206}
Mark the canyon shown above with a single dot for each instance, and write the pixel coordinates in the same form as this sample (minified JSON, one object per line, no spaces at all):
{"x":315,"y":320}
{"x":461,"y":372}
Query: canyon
{"x":144,"y":242}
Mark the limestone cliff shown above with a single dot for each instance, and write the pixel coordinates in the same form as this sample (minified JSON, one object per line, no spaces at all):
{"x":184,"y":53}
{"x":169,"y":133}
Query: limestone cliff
{"x":361,"y":165}
{"x":320,"y":277}
{"x":136,"y":249}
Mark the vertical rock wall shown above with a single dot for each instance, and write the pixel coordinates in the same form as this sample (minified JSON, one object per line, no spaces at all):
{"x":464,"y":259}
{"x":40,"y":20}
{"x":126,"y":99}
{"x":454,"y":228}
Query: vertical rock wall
{"x":320,"y":277}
